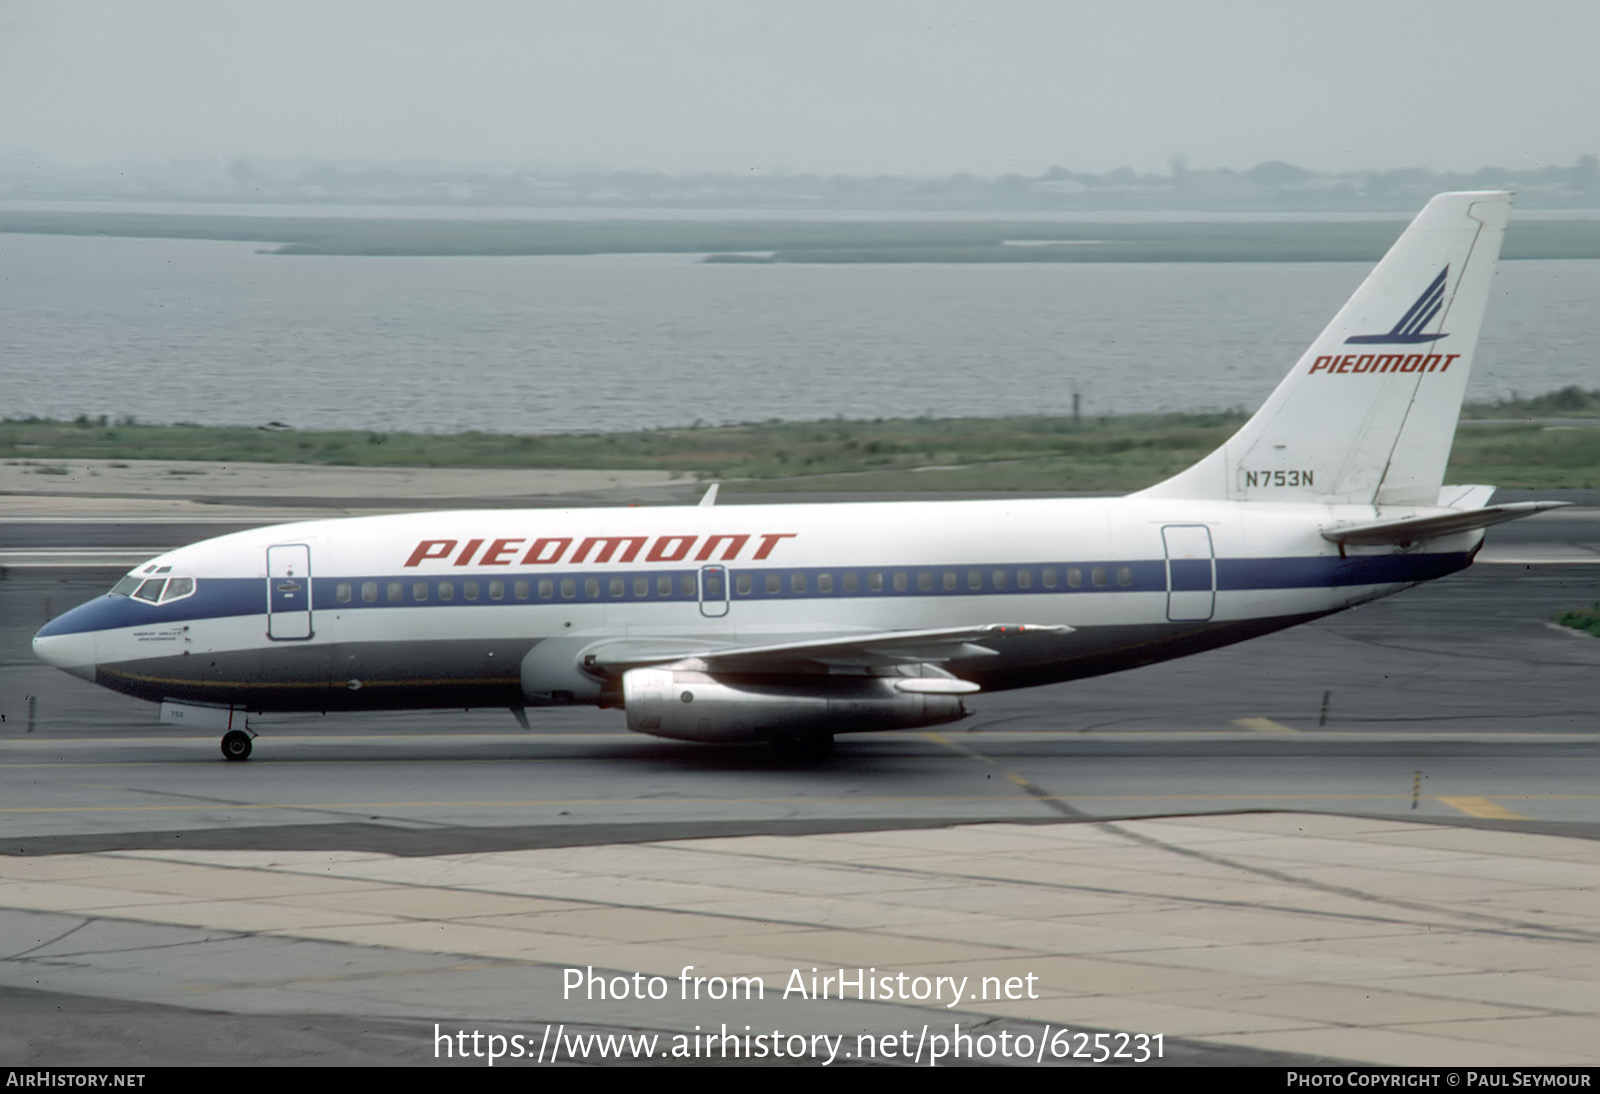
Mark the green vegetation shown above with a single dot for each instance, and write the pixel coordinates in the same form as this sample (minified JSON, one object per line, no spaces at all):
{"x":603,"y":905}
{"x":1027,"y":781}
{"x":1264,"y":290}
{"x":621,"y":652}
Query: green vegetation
{"x":1582,"y":619}
{"x":1570,"y":402}
{"x":810,"y":241}
{"x":1102,"y":454}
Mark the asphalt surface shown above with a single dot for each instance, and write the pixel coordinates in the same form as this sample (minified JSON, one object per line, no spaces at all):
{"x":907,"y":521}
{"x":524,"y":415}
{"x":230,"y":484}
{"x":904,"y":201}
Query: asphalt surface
{"x":1457,"y":703}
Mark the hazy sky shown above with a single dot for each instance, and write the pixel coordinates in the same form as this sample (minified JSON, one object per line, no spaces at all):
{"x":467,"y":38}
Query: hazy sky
{"x":856,"y":86}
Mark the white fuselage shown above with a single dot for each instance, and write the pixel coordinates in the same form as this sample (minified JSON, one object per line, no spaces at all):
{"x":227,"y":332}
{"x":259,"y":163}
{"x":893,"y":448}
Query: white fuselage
{"x":452,"y":608}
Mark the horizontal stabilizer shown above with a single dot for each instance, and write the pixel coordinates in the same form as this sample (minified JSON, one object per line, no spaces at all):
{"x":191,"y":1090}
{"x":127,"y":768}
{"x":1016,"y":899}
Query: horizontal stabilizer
{"x":877,"y":649}
{"x":1411,"y":529}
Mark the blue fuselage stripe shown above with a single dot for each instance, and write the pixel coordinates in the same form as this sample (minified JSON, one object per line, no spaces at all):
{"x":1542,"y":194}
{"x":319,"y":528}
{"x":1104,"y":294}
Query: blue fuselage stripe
{"x":215,"y":598}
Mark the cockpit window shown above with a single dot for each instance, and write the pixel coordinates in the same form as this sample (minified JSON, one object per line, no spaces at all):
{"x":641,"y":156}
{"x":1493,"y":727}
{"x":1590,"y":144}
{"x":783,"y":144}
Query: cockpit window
{"x":154,"y":590}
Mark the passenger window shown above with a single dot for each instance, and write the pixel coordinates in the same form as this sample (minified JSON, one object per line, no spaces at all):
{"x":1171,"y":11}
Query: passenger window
{"x":950,"y":579}
{"x":744,"y":584}
{"x":875,"y":582}
{"x":547,"y":588}
{"x":900,"y":583}
{"x":999,"y":579}
{"x":974,"y":579}
{"x":1124,"y":576}
{"x":591,"y":588}
{"x":178,"y":588}
{"x":774,"y":584}
{"x":342,"y":592}
{"x":1047,"y":577}
{"x":1074,"y":577}
{"x":664,"y":586}
{"x":641,"y":586}
{"x":397,"y":592}
{"x":469,"y":590}
{"x":150,"y":590}
{"x":797,"y":583}
{"x":569,"y":588}
{"x":520,"y":590}
{"x":617,"y":587}
{"x":851,"y":582}
{"x":1098,"y":576}
{"x":824,"y":583}
{"x":369,"y":592}
{"x":419,"y":591}
{"x":1024,"y":579}
{"x":686,"y":588}
{"x":497,"y":590}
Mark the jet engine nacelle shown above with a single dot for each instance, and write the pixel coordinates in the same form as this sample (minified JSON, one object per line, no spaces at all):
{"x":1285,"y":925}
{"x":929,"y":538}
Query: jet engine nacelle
{"x":697,"y":706}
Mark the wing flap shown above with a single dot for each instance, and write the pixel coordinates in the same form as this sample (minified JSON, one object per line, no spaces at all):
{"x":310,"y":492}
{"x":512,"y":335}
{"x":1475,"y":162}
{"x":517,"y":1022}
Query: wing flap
{"x":882,"y":648}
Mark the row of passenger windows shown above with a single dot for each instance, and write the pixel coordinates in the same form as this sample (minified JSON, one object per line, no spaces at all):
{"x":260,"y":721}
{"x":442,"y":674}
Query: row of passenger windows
{"x":772,"y":583}
{"x":927,"y":581}
{"x":397,"y":592}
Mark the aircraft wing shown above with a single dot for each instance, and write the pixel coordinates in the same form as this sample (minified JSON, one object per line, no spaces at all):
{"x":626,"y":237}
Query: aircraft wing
{"x":1411,"y":529}
{"x":868,"y":650}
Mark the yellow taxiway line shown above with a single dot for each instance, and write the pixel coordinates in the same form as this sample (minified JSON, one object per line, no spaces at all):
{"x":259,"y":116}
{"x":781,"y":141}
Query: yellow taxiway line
{"x":1482,"y":807}
{"x":1264,"y":725}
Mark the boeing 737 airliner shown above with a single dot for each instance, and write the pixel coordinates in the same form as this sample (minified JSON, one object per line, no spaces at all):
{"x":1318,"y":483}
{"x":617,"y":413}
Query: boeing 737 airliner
{"x":790,"y":623}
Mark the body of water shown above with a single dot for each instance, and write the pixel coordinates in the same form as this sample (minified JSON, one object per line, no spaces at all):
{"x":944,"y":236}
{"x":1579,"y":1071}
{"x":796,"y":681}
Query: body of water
{"x":219,"y":333}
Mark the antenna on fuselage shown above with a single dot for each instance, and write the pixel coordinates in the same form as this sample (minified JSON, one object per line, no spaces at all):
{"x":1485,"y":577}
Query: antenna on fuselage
{"x":710,"y":498}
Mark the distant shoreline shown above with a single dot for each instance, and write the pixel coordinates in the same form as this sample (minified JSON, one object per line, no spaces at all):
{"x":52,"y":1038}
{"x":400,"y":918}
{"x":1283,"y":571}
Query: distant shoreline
{"x":808,"y":241}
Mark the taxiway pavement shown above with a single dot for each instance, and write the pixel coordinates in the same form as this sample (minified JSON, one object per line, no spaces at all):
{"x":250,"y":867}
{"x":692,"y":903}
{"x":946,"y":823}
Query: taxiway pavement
{"x":1202,"y":849}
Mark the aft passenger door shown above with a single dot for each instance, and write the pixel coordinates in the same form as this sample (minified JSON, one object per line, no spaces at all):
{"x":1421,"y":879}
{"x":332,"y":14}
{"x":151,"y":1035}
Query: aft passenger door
{"x":289,"y":592}
{"x":1191,"y":573}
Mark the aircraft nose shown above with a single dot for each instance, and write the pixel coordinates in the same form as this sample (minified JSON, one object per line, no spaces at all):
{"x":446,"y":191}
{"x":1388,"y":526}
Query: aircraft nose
{"x":66,"y":649}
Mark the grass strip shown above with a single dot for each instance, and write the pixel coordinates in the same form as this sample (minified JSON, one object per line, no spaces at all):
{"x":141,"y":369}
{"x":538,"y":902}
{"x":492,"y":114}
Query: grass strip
{"x":1119,"y":453}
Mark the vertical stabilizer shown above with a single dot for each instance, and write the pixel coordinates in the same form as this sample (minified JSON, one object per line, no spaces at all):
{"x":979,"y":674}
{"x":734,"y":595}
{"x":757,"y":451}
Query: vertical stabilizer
{"x":1368,"y":414}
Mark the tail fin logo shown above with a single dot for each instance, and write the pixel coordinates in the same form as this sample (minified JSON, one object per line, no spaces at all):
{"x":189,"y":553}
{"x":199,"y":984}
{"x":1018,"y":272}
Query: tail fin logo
{"x":1419,"y":315}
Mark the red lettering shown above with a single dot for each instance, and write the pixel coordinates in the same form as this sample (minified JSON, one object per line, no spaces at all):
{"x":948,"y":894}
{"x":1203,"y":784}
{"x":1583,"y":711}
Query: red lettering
{"x":1412,"y":363}
{"x":1431,"y":362}
{"x":660,"y":551}
{"x":1363,"y":363}
{"x":769,"y":540}
{"x":465,"y":557}
{"x":431,"y":548}
{"x":540,"y":553}
{"x":494,"y":556}
{"x":1389,"y":362}
{"x":1320,"y":363}
{"x":609,"y":545}
{"x":1448,"y":358}
{"x":735,"y":545}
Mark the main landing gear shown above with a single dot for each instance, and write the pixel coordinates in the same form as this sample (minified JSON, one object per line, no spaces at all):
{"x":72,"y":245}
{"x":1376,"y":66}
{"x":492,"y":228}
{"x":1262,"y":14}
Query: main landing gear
{"x":804,"y":748}
{"x":236,"y":745}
